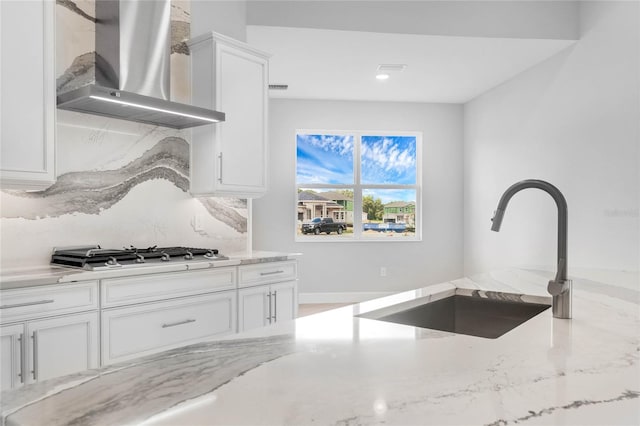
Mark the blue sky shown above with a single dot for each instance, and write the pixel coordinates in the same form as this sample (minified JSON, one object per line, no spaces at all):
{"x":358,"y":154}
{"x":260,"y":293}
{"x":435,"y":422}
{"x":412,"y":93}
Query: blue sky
{"x":325,"y":159}
{"x":389,"y":160}
{"x":328,"y":159}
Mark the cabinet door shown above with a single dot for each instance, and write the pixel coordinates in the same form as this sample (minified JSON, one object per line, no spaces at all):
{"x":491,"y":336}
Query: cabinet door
{"x":242,"y":94}
{"x":27,"y":84}
{"x":11,"y":356}
{"x":62,"y":345}
{"x":229,"y":158}
{"x":284,"y":301}
{"x":254,"y":307}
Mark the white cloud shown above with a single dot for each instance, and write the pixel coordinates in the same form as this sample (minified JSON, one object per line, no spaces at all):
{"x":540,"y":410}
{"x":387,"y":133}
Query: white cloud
{"x":339,"y":144}
{"x":387,"y":155}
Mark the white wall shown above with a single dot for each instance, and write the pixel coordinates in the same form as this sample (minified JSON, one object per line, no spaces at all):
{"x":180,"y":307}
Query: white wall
{"x":517,"y":19}
{"x":224,"y":17}
{"x":354,"y":267}
{"x":574,"y":121}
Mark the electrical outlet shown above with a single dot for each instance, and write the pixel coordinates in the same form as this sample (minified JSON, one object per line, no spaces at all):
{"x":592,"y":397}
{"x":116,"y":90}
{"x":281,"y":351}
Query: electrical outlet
{"x":383,"y":271}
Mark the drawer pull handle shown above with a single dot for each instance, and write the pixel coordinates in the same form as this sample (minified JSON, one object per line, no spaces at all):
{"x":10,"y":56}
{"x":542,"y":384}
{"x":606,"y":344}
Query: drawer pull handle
{"x":22,"y":357}
{"x":271,"y":273}
{"x":178,"y":323}
{"x":34,"y":372}
{"x":275,"y":306}
{"x":269,"y":307}
{"x":19,"y":305}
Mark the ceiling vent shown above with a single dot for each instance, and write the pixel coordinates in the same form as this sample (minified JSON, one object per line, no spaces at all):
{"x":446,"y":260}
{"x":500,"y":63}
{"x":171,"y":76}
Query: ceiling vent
{"x":278,"y":86}
{"x":391,"y":67}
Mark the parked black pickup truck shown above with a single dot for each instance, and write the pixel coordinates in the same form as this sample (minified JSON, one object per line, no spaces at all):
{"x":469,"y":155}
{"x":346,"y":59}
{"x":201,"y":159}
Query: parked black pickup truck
{"x":323,"y":224}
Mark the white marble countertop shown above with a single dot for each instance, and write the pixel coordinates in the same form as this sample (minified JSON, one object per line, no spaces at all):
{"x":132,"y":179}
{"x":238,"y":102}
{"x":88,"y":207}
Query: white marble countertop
{"x":50,"y":274}
{"x":336,"y":368}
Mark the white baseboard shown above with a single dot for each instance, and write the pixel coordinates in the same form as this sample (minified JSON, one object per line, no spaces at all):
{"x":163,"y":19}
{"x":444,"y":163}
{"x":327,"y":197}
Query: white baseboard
{"x":342,"y":297}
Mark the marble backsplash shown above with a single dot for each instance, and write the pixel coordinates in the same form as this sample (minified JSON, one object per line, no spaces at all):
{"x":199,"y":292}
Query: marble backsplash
{"x":119,"y":183}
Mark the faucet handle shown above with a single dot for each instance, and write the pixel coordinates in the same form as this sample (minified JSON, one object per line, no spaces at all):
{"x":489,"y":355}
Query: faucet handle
{"x":556,"y":288}
{"x":559,"y":285}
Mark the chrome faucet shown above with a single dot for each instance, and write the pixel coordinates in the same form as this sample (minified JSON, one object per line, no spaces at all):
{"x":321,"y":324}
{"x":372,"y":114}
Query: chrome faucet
{"x":560,"y":287}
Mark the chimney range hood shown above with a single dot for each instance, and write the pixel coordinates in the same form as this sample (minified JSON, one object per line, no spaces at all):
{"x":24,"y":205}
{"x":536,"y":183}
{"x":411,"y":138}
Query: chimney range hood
{"x":132,"y":65}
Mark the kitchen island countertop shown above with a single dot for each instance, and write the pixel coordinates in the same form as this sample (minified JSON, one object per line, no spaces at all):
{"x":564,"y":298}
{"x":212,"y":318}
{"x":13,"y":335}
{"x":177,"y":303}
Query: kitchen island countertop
{"x":337,"y":368}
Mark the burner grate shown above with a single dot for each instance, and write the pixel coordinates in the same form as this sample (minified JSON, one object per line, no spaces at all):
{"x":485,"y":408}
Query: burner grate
{"x":95,"y":257}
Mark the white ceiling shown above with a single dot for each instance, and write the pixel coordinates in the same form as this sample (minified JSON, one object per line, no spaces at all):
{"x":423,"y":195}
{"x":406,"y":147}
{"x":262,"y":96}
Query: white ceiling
{"x":341,"y":65}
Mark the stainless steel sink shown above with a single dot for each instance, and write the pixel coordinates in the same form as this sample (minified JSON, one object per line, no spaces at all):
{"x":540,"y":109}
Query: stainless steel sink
{"x":474,"y":316}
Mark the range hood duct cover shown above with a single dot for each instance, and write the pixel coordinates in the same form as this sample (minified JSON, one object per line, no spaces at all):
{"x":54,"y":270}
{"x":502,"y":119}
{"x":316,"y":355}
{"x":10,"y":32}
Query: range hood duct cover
{"x":132,"y":68}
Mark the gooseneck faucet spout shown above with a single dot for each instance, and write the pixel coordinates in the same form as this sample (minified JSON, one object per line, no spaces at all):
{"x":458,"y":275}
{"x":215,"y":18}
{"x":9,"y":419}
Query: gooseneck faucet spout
{"x":560,"y":286}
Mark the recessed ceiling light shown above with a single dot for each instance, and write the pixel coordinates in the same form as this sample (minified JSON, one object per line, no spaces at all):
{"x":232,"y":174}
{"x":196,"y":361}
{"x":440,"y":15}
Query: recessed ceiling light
{"x":381,"y":76}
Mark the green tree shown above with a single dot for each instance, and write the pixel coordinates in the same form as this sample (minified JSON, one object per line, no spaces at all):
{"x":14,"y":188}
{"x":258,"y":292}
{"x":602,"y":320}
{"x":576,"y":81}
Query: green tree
{"x":347,"y":192}
{"x":372,"y":207}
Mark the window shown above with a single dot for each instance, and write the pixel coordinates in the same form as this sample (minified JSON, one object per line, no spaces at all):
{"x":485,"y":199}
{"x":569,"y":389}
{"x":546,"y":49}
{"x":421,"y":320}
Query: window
{"x":355,"y":186}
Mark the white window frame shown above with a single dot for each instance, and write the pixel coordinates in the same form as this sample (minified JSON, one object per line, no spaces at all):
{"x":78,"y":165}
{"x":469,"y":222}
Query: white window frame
{"x":358,"y":188}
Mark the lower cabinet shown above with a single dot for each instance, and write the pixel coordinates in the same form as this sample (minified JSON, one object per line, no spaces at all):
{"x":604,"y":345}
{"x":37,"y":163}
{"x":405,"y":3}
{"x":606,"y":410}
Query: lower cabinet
{"x":12,"y":356}
{"x":263,"y":305}
{"x":51,"y":331}
{"x":46,"y":348}
{"x":133,"y":331}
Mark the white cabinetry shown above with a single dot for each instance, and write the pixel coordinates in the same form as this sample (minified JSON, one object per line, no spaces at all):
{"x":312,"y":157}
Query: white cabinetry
{"x":135,"y":331}
{"x":36,"y":345}
{"x":11,"y":356}
{"x":284,"y":301}
{"x":266,"y":304}
{"x":46,"y":301}
{"x":159,"y":287}
{"x":52,"y":330}
{"x":254,"y":307}
{"x":63,"y":345}
{"x":27,"y":84}
{"x":267,"y":294}
{"x":229,"y":158}
{"x":180,"y":308}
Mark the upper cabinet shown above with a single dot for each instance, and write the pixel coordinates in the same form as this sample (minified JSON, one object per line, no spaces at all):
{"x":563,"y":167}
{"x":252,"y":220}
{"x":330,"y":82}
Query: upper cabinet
{"x":229,"y":158}
{"x":27,"y":84}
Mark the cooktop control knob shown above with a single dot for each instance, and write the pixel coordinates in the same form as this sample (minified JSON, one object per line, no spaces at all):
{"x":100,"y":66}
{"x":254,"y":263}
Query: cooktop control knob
{"x":112,"y":261}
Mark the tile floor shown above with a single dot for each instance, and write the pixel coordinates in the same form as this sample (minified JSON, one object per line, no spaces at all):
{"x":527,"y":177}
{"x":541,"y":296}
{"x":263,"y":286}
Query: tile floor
{"x":314,"y":308}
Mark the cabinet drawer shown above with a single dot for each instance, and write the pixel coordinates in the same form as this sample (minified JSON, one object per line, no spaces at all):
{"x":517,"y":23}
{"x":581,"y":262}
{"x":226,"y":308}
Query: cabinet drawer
{"x":149,"y":288}
{"x":27,"y":303}
{"x":140,"y":330}
{"x":263,"y":273}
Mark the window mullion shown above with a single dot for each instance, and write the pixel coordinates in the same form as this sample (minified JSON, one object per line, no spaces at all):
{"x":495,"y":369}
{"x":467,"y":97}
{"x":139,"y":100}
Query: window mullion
{"x":357,"y":189}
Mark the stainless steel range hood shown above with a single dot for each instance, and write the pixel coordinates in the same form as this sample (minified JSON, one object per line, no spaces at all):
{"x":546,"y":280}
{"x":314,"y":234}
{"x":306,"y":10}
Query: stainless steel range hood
{"x":132,"y":65}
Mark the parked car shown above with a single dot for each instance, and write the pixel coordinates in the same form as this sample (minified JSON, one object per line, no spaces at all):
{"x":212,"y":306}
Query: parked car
{"x":323,"y":224}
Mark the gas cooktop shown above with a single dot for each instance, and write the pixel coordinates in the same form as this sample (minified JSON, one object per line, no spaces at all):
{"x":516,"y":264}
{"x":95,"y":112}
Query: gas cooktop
{"x":97,"y":258}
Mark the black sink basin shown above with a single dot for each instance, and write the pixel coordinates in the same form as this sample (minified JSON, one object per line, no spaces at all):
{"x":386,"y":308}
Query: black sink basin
{"x":473,"y":316}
